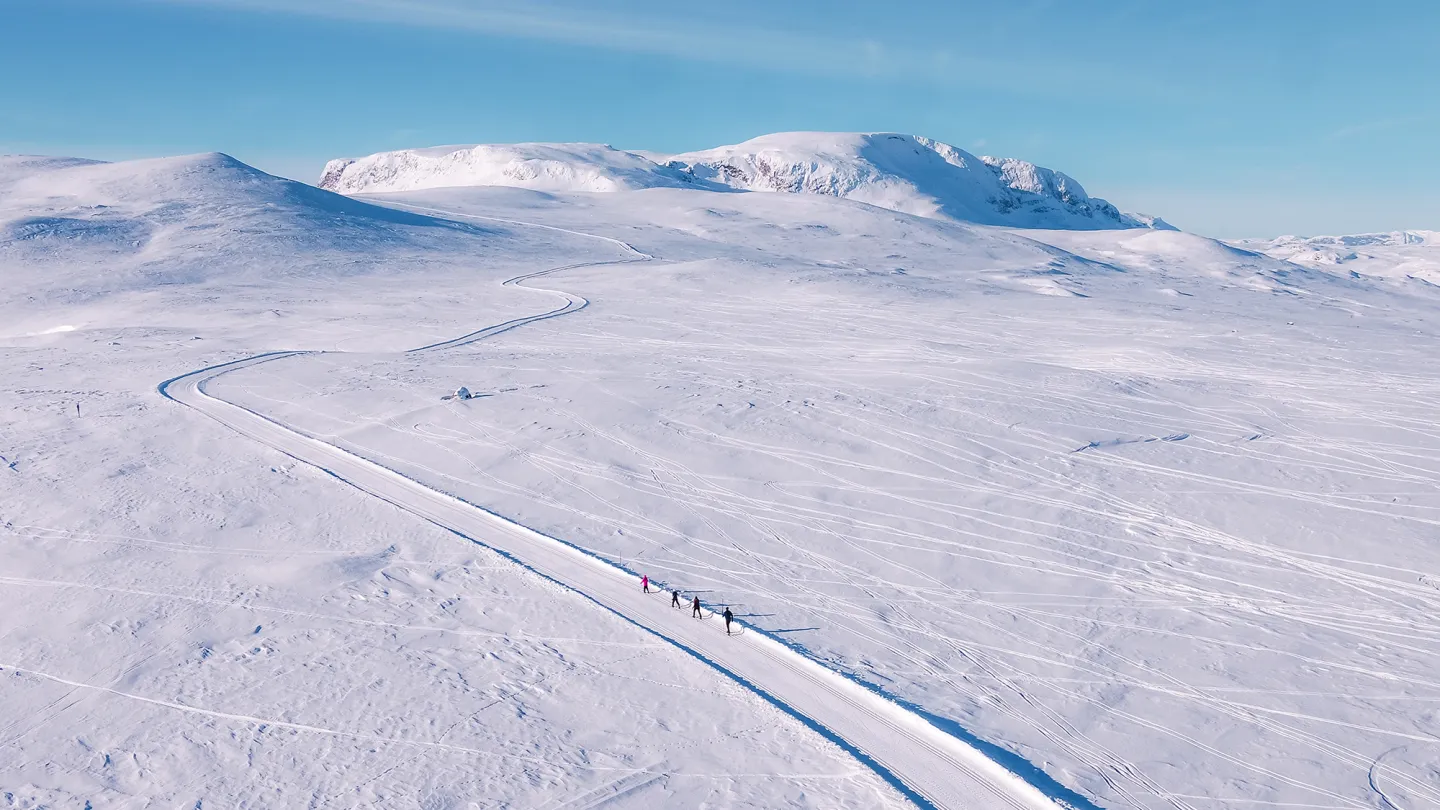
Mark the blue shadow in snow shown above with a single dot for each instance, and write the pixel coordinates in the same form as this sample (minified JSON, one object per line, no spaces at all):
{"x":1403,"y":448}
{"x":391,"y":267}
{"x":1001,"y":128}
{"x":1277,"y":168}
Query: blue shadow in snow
{"x":1021,"y":767}
{"x":1009,"y":760}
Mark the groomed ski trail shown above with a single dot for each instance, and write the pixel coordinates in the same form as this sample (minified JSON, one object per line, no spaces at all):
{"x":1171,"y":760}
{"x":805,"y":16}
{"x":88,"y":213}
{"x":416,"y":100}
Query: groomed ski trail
{"x":930,"y":766}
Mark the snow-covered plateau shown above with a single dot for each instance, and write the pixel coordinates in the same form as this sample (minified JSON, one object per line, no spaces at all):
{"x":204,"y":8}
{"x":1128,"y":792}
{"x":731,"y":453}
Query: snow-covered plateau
{"x":1013,"y":510}
{"x":1397,"y":254}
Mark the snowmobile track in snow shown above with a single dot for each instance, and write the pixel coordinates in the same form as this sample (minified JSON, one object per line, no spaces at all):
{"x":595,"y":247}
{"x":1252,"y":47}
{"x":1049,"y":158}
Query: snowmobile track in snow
{"x":931,"y":767}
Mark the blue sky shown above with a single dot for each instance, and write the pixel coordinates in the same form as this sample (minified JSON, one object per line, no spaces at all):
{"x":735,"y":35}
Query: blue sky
{"x":1228,"y":118}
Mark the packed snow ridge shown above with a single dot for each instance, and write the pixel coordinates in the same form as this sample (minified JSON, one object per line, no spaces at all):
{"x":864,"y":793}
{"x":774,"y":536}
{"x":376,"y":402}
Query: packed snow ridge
{"x":904,"y":173}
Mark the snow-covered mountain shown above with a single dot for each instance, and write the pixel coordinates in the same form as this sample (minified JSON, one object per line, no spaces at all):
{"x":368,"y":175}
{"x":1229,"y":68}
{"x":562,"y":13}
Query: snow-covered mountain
{"x":1140,"y":512}
{"x":911,"y":174}
{"x":1393,"y":254}
{"x":187,"y":219}
{"x":173,"y":197}
{"x":87,"y":235}
{"x":557,"y":167}
{"x":905,"y":173}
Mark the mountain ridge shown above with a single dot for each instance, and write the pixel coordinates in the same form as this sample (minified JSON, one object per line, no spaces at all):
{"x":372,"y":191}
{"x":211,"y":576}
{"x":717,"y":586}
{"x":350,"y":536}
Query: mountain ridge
{"x":906,"y":173}
{"x":1386,"y":254}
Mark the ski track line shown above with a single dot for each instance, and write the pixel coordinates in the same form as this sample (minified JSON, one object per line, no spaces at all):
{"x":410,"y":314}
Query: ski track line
{"x":931,"y":767}
{"x":718,"y":501}
{"x":271,"y":723}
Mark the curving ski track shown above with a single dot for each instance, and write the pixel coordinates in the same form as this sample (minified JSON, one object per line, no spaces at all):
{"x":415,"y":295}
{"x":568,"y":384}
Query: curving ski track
{"x":931,"y":767}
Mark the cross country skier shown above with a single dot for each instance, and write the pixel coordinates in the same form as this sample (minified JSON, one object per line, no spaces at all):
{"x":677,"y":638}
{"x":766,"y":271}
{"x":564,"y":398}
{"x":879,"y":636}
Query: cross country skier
{"x":674,"y":599}
{"x":645,"y":583}
{"x":695,"y":608}
{"x":728,"y":616}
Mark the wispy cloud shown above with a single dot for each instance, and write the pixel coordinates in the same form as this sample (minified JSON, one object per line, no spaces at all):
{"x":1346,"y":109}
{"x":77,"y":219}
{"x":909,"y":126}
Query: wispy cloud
{"x":741,"y":44}
{"x":1374,"y":127}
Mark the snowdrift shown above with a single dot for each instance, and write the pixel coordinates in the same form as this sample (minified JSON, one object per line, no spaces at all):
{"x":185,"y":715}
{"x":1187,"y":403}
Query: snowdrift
{"x":901,"y":172}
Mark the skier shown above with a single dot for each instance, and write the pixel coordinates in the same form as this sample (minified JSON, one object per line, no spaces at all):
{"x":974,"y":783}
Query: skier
{"x":728,"y":616}
{"x":695,"y":608}
{"x":645,"y":583}
{"x":674,"y":599}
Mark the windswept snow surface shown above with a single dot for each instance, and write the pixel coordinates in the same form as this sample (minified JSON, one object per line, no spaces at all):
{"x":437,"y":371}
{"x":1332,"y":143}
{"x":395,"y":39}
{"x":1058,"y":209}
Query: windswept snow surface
{"x":1150,"y":514}
{"x":904,"y":173}
{"x":1144,"y":518}
{"x":932,"y":765}
{"x":189,"y":618}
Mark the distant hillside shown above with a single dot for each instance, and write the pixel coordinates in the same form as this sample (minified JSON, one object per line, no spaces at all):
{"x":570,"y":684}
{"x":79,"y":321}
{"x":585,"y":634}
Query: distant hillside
{"x":1395,"y":254}
{"x":556,"y":167}
{"x":85,"y":228}
{"x":911,"y":174}
{"x":900,"y":172}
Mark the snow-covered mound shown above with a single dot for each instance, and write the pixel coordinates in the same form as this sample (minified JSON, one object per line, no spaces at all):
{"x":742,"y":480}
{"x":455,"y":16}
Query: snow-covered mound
{"x":910,"y":174}
{"x":1187,"y":261}
{"x":904,"y":173}
{"x":1394,"y":254}
{"x":213,"y":191}
{"x":555,"y":167}
{"x":102,"y":227}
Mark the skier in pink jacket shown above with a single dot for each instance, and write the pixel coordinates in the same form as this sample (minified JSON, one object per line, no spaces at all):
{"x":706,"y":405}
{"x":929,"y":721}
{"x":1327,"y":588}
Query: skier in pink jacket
{"x":645,"y":583}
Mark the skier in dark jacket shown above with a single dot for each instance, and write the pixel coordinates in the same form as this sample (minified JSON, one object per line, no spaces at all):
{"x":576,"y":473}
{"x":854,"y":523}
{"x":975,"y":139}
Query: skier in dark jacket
{"x":728,"y":616}
{"x":695,"y":608}
{"x":674,"y":599}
